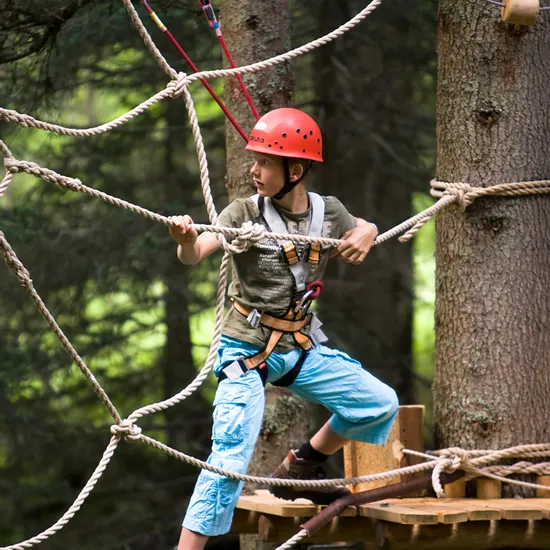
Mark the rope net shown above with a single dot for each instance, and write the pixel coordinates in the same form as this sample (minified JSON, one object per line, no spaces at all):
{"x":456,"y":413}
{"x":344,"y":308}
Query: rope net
{"x":475,"y":463}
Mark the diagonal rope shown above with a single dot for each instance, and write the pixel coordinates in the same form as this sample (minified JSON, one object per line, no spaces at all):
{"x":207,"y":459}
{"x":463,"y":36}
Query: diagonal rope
{"x":25,"y":280}
{"x":290,"y":543}
{"x":448,"y":460}
{"x":28,"y":121}
{"x":75,"y":507}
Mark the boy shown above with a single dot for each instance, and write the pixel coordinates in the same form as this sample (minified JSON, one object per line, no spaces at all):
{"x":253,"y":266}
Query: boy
{"x":270,"y":334}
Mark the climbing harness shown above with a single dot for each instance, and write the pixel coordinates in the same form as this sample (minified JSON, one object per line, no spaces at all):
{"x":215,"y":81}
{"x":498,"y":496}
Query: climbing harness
{"x":298,"y":315}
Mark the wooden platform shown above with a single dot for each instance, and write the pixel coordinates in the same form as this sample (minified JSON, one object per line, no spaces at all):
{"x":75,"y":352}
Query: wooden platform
{"x":405,"y":523}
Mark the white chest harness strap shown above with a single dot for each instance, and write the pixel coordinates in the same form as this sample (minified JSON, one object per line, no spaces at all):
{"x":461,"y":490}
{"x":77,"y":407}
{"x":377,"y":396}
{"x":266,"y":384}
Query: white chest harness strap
{"x":299,"y":268}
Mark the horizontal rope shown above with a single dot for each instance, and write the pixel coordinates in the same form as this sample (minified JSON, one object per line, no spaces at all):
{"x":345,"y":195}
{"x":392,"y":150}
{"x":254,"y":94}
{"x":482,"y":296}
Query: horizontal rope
{"x":448,"y":461}
{"x":464,"y":195}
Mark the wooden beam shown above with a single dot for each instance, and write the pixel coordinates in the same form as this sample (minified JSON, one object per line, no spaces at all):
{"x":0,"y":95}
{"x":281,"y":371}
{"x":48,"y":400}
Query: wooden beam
{"x":488,"y":489}
{"x":543,"y":493}
{"x":348,"y":529}
{"x":364,"y":458}
{"x":478,"y":535}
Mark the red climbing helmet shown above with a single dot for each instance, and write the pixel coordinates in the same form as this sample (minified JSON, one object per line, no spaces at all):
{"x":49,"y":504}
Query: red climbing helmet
{"x":287,"y":132}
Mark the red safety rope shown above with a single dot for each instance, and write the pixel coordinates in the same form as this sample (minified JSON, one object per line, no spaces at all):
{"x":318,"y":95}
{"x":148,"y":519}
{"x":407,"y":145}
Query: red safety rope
{"x":210,"y":15}
{"x":188,"y":60}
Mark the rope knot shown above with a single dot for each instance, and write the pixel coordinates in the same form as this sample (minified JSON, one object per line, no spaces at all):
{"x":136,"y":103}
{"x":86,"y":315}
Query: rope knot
{"x":250,"y":233}
{"x":177,"y":85}
{"x":127,"y":430}
{"x":462,"y":192}
{"x":450,"y":460}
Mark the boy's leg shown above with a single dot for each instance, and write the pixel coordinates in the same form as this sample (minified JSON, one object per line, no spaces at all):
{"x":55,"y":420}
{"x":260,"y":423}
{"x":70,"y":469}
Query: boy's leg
{"x":363,"y":410}
{"x":191,"y":541}
{"x":238,"y":412}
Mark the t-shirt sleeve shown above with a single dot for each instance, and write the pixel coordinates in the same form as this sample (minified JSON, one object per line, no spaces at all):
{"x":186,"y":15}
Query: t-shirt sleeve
{"x":234,"y":214}
{"x":343,"y":221}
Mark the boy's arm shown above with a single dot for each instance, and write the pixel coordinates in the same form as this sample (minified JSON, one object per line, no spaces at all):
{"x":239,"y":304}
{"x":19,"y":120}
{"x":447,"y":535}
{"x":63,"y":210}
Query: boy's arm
{"x":192,"y":248}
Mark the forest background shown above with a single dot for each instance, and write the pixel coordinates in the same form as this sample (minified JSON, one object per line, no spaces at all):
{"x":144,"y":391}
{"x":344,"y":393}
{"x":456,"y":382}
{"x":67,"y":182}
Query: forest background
{"x":141,"y":320}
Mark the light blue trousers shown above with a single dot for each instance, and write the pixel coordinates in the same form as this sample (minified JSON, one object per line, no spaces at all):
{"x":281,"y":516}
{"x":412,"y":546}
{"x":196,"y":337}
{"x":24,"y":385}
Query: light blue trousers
{"x":363,"y":410}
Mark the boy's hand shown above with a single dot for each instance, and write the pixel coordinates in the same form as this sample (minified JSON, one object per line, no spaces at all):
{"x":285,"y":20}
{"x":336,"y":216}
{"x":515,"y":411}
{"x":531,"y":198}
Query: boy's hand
{"x":182,"y":230}
{"x":356,"y":243}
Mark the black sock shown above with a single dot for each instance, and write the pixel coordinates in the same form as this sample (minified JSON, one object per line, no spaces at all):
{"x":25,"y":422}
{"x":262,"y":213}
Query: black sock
{"x":307,"y":452}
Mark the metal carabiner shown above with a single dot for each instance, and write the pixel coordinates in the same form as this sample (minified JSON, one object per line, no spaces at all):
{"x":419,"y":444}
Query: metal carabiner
{"x":302,"y":303}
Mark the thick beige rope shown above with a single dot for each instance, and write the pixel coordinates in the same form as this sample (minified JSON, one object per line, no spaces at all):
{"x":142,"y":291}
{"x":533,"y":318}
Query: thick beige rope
{"x":464,"y":194}
{"x":75,"y":507}
{"x":177,"y":81}
{"x":290,"y":543}
{"x":25,"y":280}
{"x":449,"y":460}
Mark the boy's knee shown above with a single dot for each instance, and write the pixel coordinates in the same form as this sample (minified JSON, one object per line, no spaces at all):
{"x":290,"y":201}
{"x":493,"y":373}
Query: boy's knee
{"x":392,"y":403}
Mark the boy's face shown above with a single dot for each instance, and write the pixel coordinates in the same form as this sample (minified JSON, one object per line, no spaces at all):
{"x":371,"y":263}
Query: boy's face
{"x":268,"y":174}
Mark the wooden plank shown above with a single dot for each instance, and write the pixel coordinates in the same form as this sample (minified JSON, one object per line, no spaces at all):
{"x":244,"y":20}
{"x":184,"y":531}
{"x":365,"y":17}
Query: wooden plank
{"x":365,"y":459}
{"x":277,"y":506}
{"x":456,"y":489}
{"x":411,"y":435}
{"x":543,"y":504}
{"x":445,"y":514}
{"x":488,"y":489}
{"x":265,"y":503}
{"x":388,"y":511}
{"x":477,"y":510}
{"x":512,"y":508}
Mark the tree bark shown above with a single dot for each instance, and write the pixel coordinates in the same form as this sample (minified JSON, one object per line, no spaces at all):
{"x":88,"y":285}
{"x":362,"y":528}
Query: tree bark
{"x":255,"y":31}
{"x":492,"y":378}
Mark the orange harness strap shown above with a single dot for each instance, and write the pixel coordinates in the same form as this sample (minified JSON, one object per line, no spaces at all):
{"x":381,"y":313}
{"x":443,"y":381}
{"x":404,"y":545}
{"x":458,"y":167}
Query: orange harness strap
{"x":278,"y":328}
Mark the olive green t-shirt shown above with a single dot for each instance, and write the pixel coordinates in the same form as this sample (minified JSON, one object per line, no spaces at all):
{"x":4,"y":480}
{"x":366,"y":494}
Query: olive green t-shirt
{"x":261,"y":276}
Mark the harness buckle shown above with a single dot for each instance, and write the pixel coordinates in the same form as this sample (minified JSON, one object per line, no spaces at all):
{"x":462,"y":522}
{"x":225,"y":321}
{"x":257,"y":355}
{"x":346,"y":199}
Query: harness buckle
{"x":254,"y":318}
{"x":235,"y":370}
{"x":316,"y":335}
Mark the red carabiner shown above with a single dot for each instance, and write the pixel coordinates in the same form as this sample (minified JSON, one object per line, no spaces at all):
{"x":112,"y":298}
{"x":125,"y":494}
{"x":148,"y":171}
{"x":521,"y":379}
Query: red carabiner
{"x":315,"y":287}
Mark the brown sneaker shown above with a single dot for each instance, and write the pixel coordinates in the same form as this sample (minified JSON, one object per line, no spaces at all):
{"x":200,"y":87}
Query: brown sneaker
{"x":299,"y":468}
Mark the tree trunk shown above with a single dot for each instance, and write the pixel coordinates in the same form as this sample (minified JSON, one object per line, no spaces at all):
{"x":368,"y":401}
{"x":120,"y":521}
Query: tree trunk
{"x":255,"y":31}
{"x":492,"y":377}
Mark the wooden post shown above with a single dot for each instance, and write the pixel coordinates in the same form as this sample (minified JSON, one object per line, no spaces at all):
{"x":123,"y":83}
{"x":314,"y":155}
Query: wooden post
{"x":456,"y":489}
{"x":488,"y":488}
{"x":543,"y":493}
{"x":364,"y":458}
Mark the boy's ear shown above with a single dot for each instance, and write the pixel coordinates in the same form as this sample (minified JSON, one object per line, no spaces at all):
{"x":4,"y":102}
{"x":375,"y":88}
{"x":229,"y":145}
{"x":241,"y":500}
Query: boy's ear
{"x":296,"y":171}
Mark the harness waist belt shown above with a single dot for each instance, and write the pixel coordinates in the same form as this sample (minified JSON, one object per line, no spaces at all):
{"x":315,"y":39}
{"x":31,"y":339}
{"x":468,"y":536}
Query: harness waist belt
{"x":275,"y":323}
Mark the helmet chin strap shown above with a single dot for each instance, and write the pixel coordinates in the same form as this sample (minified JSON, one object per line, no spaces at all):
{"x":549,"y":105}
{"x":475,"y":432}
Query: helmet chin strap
{"x":290,"y":185}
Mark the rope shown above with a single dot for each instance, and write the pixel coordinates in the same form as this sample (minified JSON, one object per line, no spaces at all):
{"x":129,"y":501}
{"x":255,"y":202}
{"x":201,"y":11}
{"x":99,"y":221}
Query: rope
{"x":475,"y":463}
{"x":75,"y":507}
{"x":293,"y":541}
{"x":464,"y":194}
{"x":25,"y":280}
{"x":29,"y":121}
